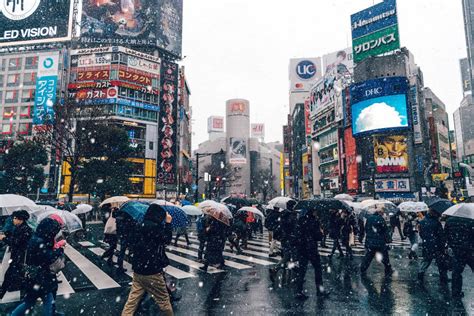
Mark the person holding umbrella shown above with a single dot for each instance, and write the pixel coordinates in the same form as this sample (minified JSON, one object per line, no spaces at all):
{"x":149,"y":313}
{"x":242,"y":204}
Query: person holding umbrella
{"x":17,"y":240}
{"x":335,"y":226}
{"x":125,"y":227}
{"x":216,"y":238}
{"x":410,"y":231}
{"x":149,"y":260}
{"x":433,"y":244}
{"x":348,"y":231}
{"x":110,"y":236}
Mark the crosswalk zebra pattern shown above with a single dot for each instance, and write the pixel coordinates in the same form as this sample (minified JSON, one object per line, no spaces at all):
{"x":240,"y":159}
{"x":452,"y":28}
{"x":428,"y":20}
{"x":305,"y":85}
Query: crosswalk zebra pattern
{"x":86,"y":269}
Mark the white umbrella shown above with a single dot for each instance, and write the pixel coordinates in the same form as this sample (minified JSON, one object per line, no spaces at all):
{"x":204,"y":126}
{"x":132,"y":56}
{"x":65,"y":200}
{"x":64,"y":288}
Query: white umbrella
{"x":12,"y":202}
{"x":371,"y":206}
{"x":72,"y":223}
{"x":464,"y":210}
{"x":162,"y":203}
{"x":280,"y":202}
{"x":115,"y":199}
{"x":217,"y":205}
{"x":192,"y":210}
{"x":344,"y":197}
{"x":82,"y":209}
{"x":44,"y":208}
{"x":413,"y":207}
{"x":252,"y":210}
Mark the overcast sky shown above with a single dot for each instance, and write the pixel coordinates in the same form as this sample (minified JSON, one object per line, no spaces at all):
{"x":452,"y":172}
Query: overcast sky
{"x":241,"y":49}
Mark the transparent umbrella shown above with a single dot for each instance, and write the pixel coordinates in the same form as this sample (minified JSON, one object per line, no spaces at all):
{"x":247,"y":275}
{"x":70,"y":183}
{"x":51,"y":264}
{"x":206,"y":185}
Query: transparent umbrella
{"x":71,"y":222}
{"x":192,"y":210}
{"x":252,"y":210}
{"x":280,"y":202}
{"x":12,"y":202}
{"x":464,"y":210}
{"x":115,"y":200}
{"x":82,"y":209}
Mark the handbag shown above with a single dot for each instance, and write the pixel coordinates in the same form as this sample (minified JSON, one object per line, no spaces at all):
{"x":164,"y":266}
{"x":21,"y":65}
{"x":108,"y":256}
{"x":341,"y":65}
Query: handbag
{"x":58,"y":264}
{"x":351,"y":239}
{"x":111,"y":226}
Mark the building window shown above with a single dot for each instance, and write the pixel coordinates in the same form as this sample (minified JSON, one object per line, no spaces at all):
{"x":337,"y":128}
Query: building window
{"x":25,"y":112}
{"x":11,"y":96}
{"x":28,"y":95}
{"x":8,"y":112}
{"x":31,"y":62}
{"x":13,"y":80}
{"x":150,"y":145}
{"x":14,"y":64}
{"x":24,"y":129}
{"x":7,"y":128}
{"x":29,"y":79}
{"x":4,"y":65}
{"x":1,"y":81}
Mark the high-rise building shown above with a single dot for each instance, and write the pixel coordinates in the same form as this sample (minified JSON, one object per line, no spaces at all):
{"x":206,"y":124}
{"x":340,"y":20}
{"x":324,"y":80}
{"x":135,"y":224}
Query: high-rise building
{"x":468,"y":13}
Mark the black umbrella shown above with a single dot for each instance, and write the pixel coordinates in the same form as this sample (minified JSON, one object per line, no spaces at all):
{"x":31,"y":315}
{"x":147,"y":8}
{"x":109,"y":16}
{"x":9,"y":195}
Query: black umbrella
{"x":238,"y":202}
{"x":322,"y":205}
{"x":439,"y":205}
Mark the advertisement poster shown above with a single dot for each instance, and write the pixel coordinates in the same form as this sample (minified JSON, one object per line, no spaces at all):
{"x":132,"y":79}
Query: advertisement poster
{"x":304,"y":72}
{"x":257,"y":130}
{"x":238,"y":150}
{"x":350,"y":149}
{"x":341,"y":61}
{"x":391,"y":154}
{"x":215,"y":124}
{"x":415,"y":115}
{"x":35,"y":21}
{"x":46,"y":86}
{"x":323,"y":95}
{"x":379,"y":104}
{"x":134,"y":23}
{"x":167,"y":134}
{"x":377,"y":43}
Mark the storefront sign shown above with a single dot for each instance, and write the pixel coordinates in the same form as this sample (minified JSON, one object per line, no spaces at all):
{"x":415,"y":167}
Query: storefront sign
{"x":46,"y":84}
{"x":392,"y":185}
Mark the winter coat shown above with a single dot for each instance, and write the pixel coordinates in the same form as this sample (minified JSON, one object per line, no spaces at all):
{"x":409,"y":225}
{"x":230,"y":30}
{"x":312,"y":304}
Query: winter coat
{"x":460,"y":233}
{"x":335,"y":226}
{"x":148,"y":249}
{"x":432,"y":234}
{"x":308,"y":234}
{"x":216,"y":237}
{"x":18,"y":241}
{"x":41,"y":253}
{"x":349,"y":225}
{"x":288,"y":229}
{"x":377,"y":234}
{"x":395,"y":219}
{"x":125,"y":225}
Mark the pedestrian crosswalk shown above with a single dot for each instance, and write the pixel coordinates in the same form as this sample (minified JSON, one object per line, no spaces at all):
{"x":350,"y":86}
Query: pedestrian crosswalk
{"x":87,"y":270}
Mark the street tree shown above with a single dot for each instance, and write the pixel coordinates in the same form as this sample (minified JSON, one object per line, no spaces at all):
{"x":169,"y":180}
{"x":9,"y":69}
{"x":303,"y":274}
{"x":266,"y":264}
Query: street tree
{"x":23,"y":168}
{"x":262,"y":182}
{"x":221,"y":173}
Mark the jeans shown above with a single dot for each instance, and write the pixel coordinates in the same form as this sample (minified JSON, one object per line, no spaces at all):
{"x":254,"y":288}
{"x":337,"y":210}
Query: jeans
{"x":369,"y":256}
{"x":461,"y":258}
{"x":440,"y":258}
{"x":303,"y":266}
{"x":336,"y":245}
{"x":30,"y":301}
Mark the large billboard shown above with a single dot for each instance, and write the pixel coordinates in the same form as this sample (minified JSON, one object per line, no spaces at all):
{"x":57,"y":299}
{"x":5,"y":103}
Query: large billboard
{"x":391,"y":154}
{"x":465,"y":75}
{"x":168,"y":128}
{"x":34,"y":21}
{"x":342,"y":62}
{"x":375,"y":30}
{"x":215,"y":124}
{"x":46,"y":86}
{"x":379,"y":105}
{"x":140,"y":23}
{"x":238,"y":150}
{"x":304,"y":72}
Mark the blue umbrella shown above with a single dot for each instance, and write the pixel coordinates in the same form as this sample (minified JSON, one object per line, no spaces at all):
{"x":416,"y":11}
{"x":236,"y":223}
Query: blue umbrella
{"x":180,"y":219}
{"x":135,"y":209}
{"x":186,"y":202}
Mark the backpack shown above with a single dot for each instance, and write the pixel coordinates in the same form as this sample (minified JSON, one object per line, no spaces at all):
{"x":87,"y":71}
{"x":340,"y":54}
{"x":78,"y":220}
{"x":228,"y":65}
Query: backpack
{"x":200,"y":225}
{"x":272,"y":221}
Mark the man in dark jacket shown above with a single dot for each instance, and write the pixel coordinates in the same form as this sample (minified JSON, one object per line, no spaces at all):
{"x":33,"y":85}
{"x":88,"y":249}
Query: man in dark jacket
{"x":434,"y":245}
{"x":349,"y":227}
{"x":288,"y":241}
{"x":41,"y":253}
{"x":125,"y":227}
{"x":377,"y":238}
{"x":17,"y":240}
{"x":395,"y":223}
{"x":335,"y":226}
{"x":149,"y":259}
{"x":460,"y":235}
{"x":308,"y":234}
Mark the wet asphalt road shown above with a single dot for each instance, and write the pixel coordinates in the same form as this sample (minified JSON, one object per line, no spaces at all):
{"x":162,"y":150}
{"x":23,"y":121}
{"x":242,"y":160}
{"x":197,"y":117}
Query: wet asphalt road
{"x":250,"y":292}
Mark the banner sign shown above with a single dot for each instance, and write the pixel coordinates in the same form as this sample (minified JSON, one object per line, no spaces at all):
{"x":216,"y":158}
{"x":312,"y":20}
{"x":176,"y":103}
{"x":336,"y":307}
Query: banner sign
{"x":87,"y":75}
{"x":415,"y":115}
{"x":122,"y":102}
{"x":215,"y":124}
{"x":392,"y":185}
{"x":391,"y":154}
{"x":46,"y":85}
{"x":26,"y":22}
{"x":152,"y":23}
{"x":167,"y":134}
{"x":111,"y":83}
{"x":238,"y":150}
{"x":377,"y":43}
{"x":257,"y":130}
{"x":94,"y":93}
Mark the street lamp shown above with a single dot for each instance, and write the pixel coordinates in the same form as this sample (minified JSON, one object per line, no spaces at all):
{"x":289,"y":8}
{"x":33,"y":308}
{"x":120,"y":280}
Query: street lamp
{"x":198,"y":155}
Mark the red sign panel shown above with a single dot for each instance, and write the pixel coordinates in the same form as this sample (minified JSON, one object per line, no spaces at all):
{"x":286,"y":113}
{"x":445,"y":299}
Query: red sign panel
{"x":351,"y":161}
{"x":132,"y":76}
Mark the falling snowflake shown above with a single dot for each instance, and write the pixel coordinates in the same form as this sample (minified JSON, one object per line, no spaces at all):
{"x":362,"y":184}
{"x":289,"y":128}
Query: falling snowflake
{"x":200,"y":284}
{"x":378,"y":257}
{"x":117,"y":299}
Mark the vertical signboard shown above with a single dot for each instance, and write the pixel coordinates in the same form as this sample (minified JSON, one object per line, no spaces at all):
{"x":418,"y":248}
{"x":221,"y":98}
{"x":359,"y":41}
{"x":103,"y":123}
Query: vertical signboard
{"x":282,"y":173}
{"x":238,"y":150}
{"x":167,"y":135}
{"x":375,"y":30}
{"x":46,"y":84}
{"x":215,"y":124}
{"x":391,"y":153}
{"x":350,"y":149}
{"x":415,"y":114}
{"x":465,"y":75}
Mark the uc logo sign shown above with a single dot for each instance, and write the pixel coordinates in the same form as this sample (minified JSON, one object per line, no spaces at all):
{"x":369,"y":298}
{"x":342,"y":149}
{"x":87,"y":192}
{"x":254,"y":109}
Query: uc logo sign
{"x":306,"y":69}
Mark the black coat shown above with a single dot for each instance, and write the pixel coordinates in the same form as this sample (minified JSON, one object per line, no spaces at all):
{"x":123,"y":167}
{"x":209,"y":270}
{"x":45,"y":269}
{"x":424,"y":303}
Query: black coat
{"x":335,"y":226}
{"x":432,"y":234}
{"x":216,"y":237}
{"x":41,"y":253}
{"x":377,"y":234}
{"x":288,"y":229}
{"x":308,"y":234}
{"x":149,"y":242}
{"x":18,"y":241}
{"x":125,"y":225}
{"x":460,"y":233}
{"x":349,"y":225}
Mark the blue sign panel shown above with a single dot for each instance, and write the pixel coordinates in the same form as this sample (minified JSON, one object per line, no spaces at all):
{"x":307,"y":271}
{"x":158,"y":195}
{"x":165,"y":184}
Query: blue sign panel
{"x":373,"y":19}
{"x":126,"y":102}
{"x":45,"y":97}
{"x":379,"y":105}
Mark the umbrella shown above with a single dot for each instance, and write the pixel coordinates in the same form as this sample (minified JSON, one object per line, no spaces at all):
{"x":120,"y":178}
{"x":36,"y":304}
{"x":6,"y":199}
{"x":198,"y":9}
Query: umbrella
{"x":322,"y":204}
{"x":371,"y":206}
{"x":439,"y":205}
{"x":280,"y":202}
{"x":216,"y":210}
{"x":413,"y":207}
{"x":239,"y":202}
{"x":344,"y":197}
{"x":135,"y":209}
{"x":82,"y":209}
{"x":115,"y":199}
{"x":186,"y":202}
{"x":44,"y":208}
{"x":162,"y":203}
{"x":464,"y":210}
{"x":252,"y":210}
{"x":355,"y":205}
{"x":12,"y":202}
{"x":71,"y":222}
{"x":180,"y":219}
{"x":192,"y":210}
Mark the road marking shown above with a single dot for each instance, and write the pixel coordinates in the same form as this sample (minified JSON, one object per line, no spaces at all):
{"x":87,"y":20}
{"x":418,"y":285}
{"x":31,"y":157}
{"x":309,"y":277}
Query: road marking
{"x":190,"y":263}
{"x":231,"y":264}
{"x":86,"y":243}
{"x":99,"y":278}
{"x":5,"y":263}
{"x":64,"y":287}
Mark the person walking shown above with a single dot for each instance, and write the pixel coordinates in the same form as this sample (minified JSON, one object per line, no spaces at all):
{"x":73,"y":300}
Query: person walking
{"x":395,"y":223}
{"x":125,"y":227}
{"x":182,"y":231}
{"x":308,"y":234}
{"x":110,"y":236}
{"x":17,"y":240}
{"x":271,"y":223}
{"x":377,"y":238}
{"x":41,"y":253}
{"x":433,"y":246}
{"x":460,"y":236}
{"x":410,"y":231}
{"x":201,"y":234}
{"x":335,"y":226}
{"x":237,"y":232}
{"x":288,"y":242}
{"x":348,"y":232}
{"x":216,"y":237}
{"x":148,"y":261}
